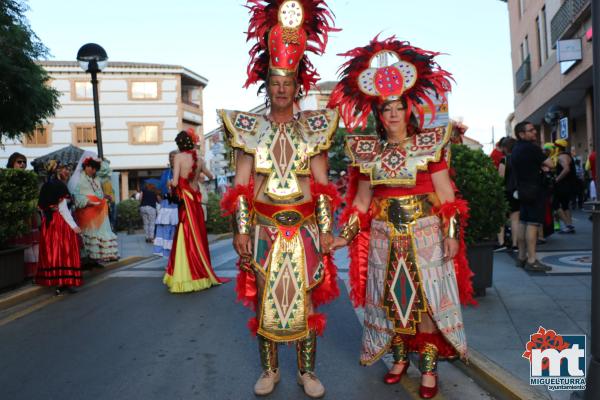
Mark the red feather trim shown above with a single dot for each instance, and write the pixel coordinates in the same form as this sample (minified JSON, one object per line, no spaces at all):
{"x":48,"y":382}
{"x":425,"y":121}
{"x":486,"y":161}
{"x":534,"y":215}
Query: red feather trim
{"x":355,"y":106}
{"x":461,"y":265}
{"x":330,"y":190}
{"x":418,"y":341}
{"x":253,"y":325}
{"x":359,"y":264}
{"x":317,"y":323}
{"x":228,"y":202}
{"x":328,"y":289}
{"x":245,"y":288}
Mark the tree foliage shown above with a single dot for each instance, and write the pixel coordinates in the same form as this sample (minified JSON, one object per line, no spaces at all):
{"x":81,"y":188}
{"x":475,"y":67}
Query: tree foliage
{"x":26,"y":98}
{"x":18,"y":200}
{"x":480,"y":184}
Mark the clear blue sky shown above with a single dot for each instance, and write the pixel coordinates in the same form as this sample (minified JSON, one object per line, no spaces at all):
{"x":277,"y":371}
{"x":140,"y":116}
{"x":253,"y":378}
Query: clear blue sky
{"x":208,"y":38}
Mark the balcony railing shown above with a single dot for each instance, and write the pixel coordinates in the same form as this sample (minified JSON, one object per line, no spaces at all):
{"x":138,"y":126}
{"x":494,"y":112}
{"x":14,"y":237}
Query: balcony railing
{"x":523,"y":76}
{"x":566,"y":16}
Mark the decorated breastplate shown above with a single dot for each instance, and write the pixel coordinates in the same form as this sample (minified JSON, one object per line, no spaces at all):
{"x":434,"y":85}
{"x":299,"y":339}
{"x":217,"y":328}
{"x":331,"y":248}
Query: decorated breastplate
{"x":396,"y":164}
{"x":281,"y":150}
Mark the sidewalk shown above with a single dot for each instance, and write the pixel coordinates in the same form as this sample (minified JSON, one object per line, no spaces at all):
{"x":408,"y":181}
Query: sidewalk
{"x":520,"y":302}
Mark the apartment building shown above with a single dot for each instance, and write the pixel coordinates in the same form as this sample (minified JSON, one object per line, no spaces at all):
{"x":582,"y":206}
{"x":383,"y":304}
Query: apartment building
{"x":551,"y":46}
{"x":142,"y":108}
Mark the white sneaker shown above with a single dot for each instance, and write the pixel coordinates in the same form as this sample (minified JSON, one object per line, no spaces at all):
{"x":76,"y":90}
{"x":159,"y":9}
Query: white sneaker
{"x":311,"y":384}
{"x":266,"y":382}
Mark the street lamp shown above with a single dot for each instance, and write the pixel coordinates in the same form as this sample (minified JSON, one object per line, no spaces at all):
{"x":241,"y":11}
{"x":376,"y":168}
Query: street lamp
{"x":93,"y":59}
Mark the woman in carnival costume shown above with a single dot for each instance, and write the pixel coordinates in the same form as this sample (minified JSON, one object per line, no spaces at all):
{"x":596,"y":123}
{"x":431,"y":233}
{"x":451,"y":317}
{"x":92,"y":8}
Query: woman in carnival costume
{"x":91,"y":212}
{"x":189,"y":268}
{"x":403,"y":222}
{"x":59,"y":262}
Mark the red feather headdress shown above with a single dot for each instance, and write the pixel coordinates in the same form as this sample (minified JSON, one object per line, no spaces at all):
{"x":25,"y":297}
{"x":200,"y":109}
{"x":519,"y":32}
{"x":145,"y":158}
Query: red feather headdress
{"x":415,"y":77}
{"x":284,"y":30}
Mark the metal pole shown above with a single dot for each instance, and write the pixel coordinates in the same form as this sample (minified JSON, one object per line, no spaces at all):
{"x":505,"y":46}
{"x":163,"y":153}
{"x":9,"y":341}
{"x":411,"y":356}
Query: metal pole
{"x":93,"y":68}
{"x":593,"y":376}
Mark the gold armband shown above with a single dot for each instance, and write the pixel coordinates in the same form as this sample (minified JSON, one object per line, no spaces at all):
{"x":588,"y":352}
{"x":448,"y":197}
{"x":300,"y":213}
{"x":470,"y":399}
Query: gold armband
{"x":351,"y":228}
{"x":242,"y":216}
{"x":323,"y":211}
{"x":452,"y":228}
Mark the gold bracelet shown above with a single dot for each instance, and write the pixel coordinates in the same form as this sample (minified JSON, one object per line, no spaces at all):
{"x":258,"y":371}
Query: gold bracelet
{"x":323,"y":211}
{"x":242,"y":216}
{"x":351,"y":228}
{"x":453,"y":227}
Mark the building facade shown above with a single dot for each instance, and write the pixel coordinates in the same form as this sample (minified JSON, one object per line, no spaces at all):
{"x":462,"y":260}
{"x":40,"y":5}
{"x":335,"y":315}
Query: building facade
{"x":551,"y":51}
{"x":142,"y":108}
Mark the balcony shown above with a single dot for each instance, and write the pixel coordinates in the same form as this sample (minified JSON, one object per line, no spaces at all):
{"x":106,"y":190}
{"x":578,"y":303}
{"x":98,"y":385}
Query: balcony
{"x":523,"y":76}
{"x":564,"y":22}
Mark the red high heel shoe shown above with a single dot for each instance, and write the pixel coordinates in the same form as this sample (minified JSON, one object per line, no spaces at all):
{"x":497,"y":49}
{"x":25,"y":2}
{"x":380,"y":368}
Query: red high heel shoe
{"x":392,"y":379}
{"x":427,"y":392}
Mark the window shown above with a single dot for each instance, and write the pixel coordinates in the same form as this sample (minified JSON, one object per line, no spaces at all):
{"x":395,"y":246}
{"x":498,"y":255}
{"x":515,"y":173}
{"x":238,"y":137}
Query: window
{"x":521,"y":7}
{"x":84,"y":134}
{"x":191,"y":95}
{"x":544,"y":34}
{"x":82,"y":90}
{"x":143,"y":90}
{"x":39,"y":137}
{"x":145,"y":133}
{"x":524,"y":49}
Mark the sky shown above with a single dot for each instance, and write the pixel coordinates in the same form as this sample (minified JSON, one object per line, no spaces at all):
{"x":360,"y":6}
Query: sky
{"x":208,"y":38}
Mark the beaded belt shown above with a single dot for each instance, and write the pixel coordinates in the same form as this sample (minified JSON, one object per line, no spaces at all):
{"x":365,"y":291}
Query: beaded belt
{"x":283,"y":214}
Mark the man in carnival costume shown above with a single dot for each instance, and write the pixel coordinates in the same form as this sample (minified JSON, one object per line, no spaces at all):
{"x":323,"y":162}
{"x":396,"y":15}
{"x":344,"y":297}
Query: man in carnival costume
{"x":281,"y":199}
{"x":403,"y":220}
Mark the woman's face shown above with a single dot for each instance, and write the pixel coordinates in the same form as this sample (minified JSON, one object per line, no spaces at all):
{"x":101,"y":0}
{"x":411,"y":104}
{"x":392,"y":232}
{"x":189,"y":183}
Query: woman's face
{"x":20,"y":163}
{"x":64,"y":173}
{"x":90,"y":171}
{"x":393,"y":117}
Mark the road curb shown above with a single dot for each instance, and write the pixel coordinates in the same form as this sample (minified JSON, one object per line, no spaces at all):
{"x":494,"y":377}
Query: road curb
{"x":498,"y":381}
{"x":221,"y":236}
{"x":30,"y":291}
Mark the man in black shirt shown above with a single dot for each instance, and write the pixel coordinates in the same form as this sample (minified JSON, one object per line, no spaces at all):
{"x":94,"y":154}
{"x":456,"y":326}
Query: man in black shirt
{"x":527,"y":161}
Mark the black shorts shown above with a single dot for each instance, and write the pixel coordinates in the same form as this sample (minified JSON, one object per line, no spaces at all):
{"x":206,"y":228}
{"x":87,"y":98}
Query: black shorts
{"x":513,"y":204}
{"x":532,"y":213}
{"x":561,"y":199}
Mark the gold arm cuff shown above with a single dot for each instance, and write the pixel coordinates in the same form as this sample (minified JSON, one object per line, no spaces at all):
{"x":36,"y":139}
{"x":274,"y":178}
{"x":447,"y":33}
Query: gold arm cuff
{"x":323,"y":211}
{"x":453,"y":227}
{"x":351,"y":228}
{"x":242,"y":216}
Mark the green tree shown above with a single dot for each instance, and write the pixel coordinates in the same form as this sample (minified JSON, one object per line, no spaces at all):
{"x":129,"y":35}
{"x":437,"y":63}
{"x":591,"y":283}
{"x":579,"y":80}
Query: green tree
{"x":26,"y":98}
{"x":338,"y":161}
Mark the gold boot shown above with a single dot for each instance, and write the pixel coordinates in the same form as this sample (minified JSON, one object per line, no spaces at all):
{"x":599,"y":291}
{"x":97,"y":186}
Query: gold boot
{"x":269,"y":363}
{"x":428,"y":366}
{"x":306,"y":351}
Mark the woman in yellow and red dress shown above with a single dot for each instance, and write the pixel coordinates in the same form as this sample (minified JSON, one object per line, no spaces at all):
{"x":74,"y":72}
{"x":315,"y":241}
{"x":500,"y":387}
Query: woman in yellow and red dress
{"x":59,"y":262}
{"x":189,"y":268}
{"x":402,"y":219}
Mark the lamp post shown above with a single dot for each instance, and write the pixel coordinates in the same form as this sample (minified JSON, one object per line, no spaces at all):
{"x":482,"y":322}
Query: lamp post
{"x":593,"y":376}
{"x":93,"y":59}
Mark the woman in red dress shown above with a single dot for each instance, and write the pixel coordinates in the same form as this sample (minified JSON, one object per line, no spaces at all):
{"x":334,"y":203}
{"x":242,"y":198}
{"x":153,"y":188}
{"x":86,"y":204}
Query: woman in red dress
{"x":189,"y":268}
{"x":59,"y":262}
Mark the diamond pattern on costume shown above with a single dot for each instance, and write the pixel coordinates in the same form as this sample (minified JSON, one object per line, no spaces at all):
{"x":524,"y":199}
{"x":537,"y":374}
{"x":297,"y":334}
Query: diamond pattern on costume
{"x":403,"y":291}
{"x":318,"y":123}
{"x":245,"y":122}
{"x":285,"y":291}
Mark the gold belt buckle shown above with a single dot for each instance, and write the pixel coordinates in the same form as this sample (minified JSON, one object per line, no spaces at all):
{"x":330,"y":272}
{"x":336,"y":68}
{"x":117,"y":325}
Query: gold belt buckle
{"x":400,"y":213}
{"x":288,"y":217}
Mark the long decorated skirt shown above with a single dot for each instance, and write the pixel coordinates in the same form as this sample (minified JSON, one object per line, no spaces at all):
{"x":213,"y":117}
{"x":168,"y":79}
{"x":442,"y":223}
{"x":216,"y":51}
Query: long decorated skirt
{"x":189,"y":268}
{"x":99,"y":241}
{"x":166,"y":224}
{"x":287,"y":257}
{"x":407,"y":279}
{"x":59,"y":262}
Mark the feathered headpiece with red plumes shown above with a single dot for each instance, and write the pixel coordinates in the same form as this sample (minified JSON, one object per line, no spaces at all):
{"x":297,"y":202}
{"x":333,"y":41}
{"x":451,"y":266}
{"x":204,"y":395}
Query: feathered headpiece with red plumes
{"x":284,"y":30}
{"x":415,"y":77}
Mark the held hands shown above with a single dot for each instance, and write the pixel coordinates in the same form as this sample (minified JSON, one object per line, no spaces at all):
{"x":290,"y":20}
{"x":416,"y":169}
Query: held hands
{"x":326,"y":240}
{"x":77,"y":230}
{"x":450,"y":248}
{"x":338,"y":243}
{"x":242,"y":246}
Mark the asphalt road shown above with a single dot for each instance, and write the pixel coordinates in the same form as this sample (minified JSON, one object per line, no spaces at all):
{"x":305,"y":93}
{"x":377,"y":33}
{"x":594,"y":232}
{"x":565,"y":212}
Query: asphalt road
{"x":126,"y":337}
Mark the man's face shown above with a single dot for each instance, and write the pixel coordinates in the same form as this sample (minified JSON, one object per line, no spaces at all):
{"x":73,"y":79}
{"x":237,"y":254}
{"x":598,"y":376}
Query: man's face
{"x":530,"y":134}
{"x":281,"y":91}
